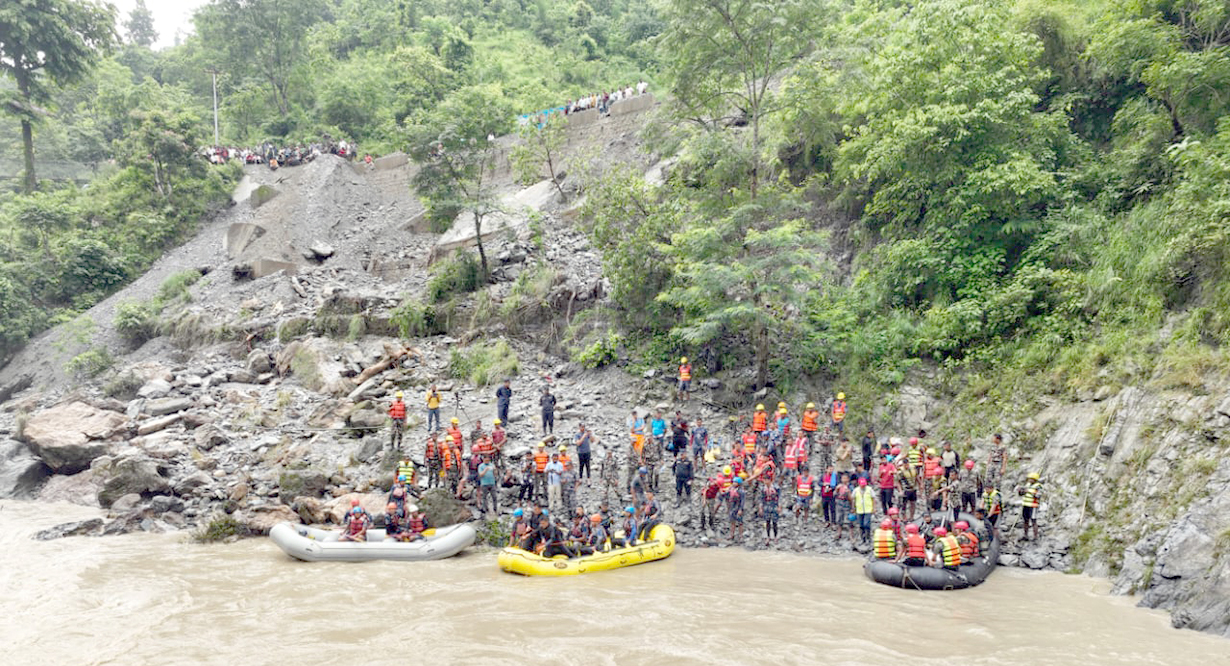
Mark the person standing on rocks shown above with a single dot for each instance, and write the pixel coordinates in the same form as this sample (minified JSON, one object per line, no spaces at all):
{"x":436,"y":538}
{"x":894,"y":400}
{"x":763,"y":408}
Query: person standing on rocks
{"x":997,"y":461}
{"x":699,"y":444}
{"x":810,"y":424}
{"x":734,"y":502}
{"x":433,"y":409}
{"x":967,"y":486}
{"x":583,"y":442}
{"x":541,"y":460}
{"x":610,"y":476}
{"x":568,"y":486}
{"x":804,"y":488}
{"x":1031,"y":499}
{"x":636,"y":457}
{"x":431,"y":455}
{"x":547,"y":403}
{"x":498,"y":437}
{"x":397,"y":414}
{"x":487,"y":491}
{"x":555,"y":495}
{"x":864,"y":506}
{"x":868,"y":446}
{"x":838,"y":411}
{"x":769,"y":510}
{"x":685,"y":379}
{"x":949,"y":459}
{"x":683,"y":478}
{"x":888,"y":482}
{"x":709,"y":502}
{"x":503,"y":398}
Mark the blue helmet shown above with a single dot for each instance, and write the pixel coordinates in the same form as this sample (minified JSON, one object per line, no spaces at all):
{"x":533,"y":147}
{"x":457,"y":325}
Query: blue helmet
{"x":739,"y":480}
{"x":643,"y":470}
{"x":545,"y":512}
{"x":518,"y":513}
{"x":401,"y":478}
{"x":629,"y":510}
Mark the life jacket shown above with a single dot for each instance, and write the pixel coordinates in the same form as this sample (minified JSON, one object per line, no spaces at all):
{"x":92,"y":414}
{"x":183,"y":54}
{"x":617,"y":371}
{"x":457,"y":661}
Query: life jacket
{"x":803,"y":485}
{"x":1033,"y":494}
{"x":449,"y":455}
{"x":564,"y":459}
{"x":864,"y":500}
{"x":760,"y":422}
{"x":950,"y":551}
{"x":638,"y":443}
{"x":931,"y":467}
{"x":969,"y":545}
{"x":884,"y":544}
{"x":712,"y":490}
{"x":483,"y":446}
{"x":792,"y":457}
{"x":991,"y":503}
{"x":839,"y":410}
{"x":809,"y":420}
{"x":406,"y":468}
{"x":726,"y":481}
{"x":915,"y":546}
{"x":685,"y":372}
{"x":800,"y":451}
{"x":915,"y":456}
{"x":456,"y":433}
{"x":749,"y":443}
{"x":497,"y":437}
{"x":417,"y":523}
{"x":432,"y":452}
{"x":397,"y":410}
{"x":540,"y":461}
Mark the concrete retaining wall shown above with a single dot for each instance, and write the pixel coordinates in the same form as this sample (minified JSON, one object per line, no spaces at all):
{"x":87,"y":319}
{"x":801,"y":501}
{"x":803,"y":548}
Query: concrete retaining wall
{"x":239,"y":235}
{"x":638,"y":103}
{"x":583,"y":118}
{"x":390,"y":161}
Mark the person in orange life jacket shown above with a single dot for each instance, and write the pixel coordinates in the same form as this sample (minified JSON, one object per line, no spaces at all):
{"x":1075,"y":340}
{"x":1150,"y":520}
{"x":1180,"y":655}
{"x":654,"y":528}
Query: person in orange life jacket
{"x":804,"y":489}
{"x":884,"y":541}
{"x":760,"y":421}
{"x":838,"y":411}
{"x":541,"y":458}
{"x":685,"y":379}
{"x":454,"y":430}
{"x":357,"y":521}
{"x":946,"y":550}
{"x":810,"y":424}
{"x":968,"y":539}
{"x":636,"y":458}
{"x":397,"y":413}
{"x":914,"y":548}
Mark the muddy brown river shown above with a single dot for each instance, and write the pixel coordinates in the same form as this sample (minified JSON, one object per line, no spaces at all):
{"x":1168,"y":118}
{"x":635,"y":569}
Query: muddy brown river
{"x":159,"y":599}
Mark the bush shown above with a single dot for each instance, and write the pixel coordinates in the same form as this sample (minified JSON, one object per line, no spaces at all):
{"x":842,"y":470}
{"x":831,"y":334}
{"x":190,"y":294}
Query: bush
{"x":89,"y":364}
{"x":483,"y":364}
{"x":124,"y":386}
{"x":219,"y":529}
{"x":136,"y":322}
{"x":175,"y":288}
{"x":604,"y":351}
{"x":458,"y":274}
{"x":414,"y":319}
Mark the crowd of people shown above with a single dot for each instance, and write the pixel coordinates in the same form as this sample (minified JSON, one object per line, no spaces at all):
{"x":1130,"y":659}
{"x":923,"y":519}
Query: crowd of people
{"x":769,"y":467}
{"x":601,"y":101}
{"x":279,"y":156}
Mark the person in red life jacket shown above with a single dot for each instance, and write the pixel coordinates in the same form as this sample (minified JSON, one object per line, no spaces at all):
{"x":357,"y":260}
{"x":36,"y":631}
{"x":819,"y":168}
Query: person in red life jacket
{"x":498,"y":438}
{"x":790,"y":463}
{"x":804,"y":489}
{"x":838,"y":412}
{"x":356,"y":523}
{"x":394,"y":522}
{"x":810,"y":424}
{"x":431,"y":455}
{"x":685,"y":379}
{"x":887,"y":474}
{"x":914,"y":550}
{"x":970,"y":546}
{"x":760,"y":421}
{"x":454,"y":430}
{"x":709,"y":503}
{"x":397,"y":413}
{"x":946,"y":549}
{"x":933,"y":474}
{"x":416,"y":523}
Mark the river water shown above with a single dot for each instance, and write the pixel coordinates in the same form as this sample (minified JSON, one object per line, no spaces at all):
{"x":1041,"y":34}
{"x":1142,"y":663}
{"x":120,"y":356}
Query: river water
{"x":159,"y":599}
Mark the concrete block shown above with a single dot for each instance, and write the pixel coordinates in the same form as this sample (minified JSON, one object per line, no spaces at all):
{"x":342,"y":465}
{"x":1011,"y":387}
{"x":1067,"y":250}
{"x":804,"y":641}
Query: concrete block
{"x":239,"y":235}
{"x":390,"y":161}
{"x":263,"y":267}
{"x":261,"y":196}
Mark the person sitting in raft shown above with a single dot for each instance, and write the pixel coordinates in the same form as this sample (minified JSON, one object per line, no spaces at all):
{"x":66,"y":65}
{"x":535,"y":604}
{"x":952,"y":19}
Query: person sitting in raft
{"x":629,"y":527}
{"x":946,"y":549}
{"x":394,"y":522}
{"x":416,"y":523}
{"x":597,"y":534}
{"x":914,"y":554}
{"x":650,"y":516}
{"x":357,"y":521}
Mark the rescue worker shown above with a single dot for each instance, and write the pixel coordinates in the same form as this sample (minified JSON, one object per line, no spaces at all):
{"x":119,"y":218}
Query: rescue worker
{"x":357,"y":521}
{"x":568,"y":484}
{"x":992,"y":507}
{"x":709,"y":502}
{"x":863,"y":500}
{"x":454,"y":431}
{"x":884,"y":542}
{"x":432,"y":456}
{"x":583,"y":441}
{"x":868,"y":446}
{"x":503,"y":398}
{"x":598,"y":536}
{"x":804,"y":488}
{"x":433,"y":409}
{"x":949,"y":459}
{"x":968,"y":539}
{"x":810,"y":424}
{"x":629,"y":529}
{"x":498,"y":438}
{"x":610,"y":475}
{"x":887,"y":474}
{"x":760,"y":421}
{"x":838,"y":411}
{"x":734,"y":502}
{"x":769,"y":510}
{"x":683,"y":478}
{"x":1031,"y":499}
{"x":914,"y":553}
{"x":406,"y":474}
{"x":685,"y":379}
{"x":394,"y":522}
{"x":933,"y":475}
{"x":946,"y":549}
{"x":397,"y":415}
{"x":547,"y":403}
{"x":541,"y":459}
{"x":450,"y":458}
{"x":640,"y":485}
{"x":782,"y":423}
{"x":636,"y":458}
{"x":907,"y":477}
{"x":699,"y":436}
{"x":650,"y":516}
{"x":997,"y":461}
{"x":967,"y":488}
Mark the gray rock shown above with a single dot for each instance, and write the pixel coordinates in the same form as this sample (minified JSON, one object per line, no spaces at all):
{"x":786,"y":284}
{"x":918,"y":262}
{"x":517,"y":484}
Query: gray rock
{"x":21,"y":473}
{"x":370,"y":449}
{"x":258,"y":362}
{"x":208,"y":436}
{"x":126,"y":503}
{"x":1035,"y":557}
{"x":165,"y":503}
{"x":191,"y":483}
{"x":131,"y":474}
{"x":369,"y":419}
{"x":712,"y":383}
{"x":153,"y":425}
{"x":154,"y":388}
{"x":243,"y":376}
{"x":69,"y":437}
{"x":163,"y":406}
{"x":88,"y":527}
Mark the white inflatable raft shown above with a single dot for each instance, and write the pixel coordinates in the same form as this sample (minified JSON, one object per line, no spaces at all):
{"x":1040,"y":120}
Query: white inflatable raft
{"x":315,"y":545}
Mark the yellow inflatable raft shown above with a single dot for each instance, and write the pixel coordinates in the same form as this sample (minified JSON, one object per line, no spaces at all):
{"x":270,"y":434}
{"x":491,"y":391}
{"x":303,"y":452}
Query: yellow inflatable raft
{"x":660,"y":545}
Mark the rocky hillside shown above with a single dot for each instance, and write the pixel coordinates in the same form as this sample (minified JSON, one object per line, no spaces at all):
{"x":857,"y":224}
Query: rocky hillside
{"x":261,"y":393}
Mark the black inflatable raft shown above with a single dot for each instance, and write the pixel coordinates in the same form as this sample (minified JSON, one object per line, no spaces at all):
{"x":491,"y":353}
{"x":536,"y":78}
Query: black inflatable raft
{"x":932,"y":578}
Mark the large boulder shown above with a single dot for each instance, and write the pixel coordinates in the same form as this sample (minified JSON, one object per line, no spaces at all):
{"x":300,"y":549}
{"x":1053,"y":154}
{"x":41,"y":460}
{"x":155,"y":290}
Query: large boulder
{"x":301,"y":483}
{"x":258,"y":520}
{"x":335,"y":510}
{"x":163,"y":406}
{"x":443,"y":509}
{"x":21,"y":473}
{"x":131,"y":474}
{"x":69,"y":437}
{"x":79,"y":488}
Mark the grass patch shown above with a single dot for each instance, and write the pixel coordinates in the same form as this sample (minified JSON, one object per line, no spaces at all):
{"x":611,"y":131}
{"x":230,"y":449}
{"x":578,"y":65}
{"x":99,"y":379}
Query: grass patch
{"x":483,"y":365}
{"x":136,"y":322}
{"x":124,"y":386}
{"x":175,"y":288}
{"x":219,"y":529}
{"x":493,"y":533}
{"x":89,"y":364}
{"x":459,"y":273}
{"x":295,"y":327}
{"x":357,"y":327}
{"x":415,"y":319}
{"x":303,"y":366}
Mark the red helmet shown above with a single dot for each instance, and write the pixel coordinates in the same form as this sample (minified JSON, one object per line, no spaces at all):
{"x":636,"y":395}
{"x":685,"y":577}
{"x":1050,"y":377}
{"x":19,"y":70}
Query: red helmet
{"x":969,"y":464}
{"x":892,"y":511}
{"x":354,"y":501}
{"x":862,"y":482}
{"x":941,"y":532}
{"x":961,"y":525}
{"x":886,"y":524}
{"x":913,"y":441}
{"x":911,"y":528}
{"x":896,"y":451}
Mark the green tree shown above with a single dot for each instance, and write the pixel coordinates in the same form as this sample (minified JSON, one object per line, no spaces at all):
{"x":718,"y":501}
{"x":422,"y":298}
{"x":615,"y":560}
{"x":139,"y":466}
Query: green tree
{"x":457,"y":159}
{"x":747,"y":275}
{"x":263,"y":38}
{"x":140,"y":26}
{"x":539,"y":148}
{"x":723,"y":56}
{"x":45,"y":44}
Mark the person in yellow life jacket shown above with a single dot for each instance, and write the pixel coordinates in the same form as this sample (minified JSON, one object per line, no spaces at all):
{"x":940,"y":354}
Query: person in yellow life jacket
{"x":1031,"y":499}
{"x":946,"y":549}
{"x":433,"y":409}
{"x":685,"y":378}
{"x":838,"y":411}
{"x":884,"y":542}
{"x":914,"y":551}
{"x":968,"y":538}
{"x":992,"y":506}
{"x":397,"y":412}
{"x":914,"y":454}
{"x":760,"y":420}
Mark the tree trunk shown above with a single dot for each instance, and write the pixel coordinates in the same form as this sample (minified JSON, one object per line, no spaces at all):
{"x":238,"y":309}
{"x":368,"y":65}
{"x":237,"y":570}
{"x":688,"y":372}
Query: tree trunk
{"x":760,"y":340}
{"x":27,"y":140}
{"x":755,"y":151}
{"x":478,"y":239}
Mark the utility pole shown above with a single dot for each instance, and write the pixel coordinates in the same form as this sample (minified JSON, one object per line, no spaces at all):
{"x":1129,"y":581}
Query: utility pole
{"x":214,"y":72}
